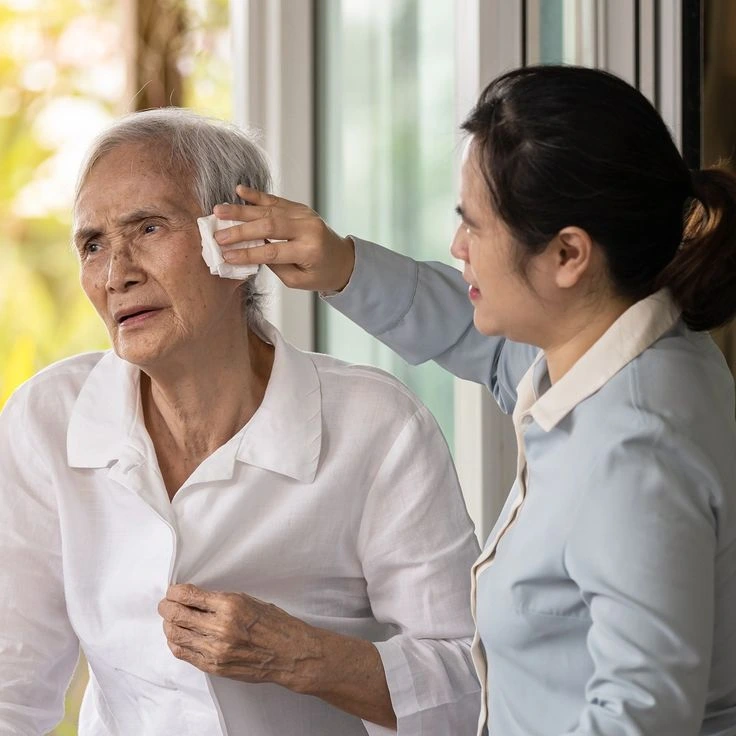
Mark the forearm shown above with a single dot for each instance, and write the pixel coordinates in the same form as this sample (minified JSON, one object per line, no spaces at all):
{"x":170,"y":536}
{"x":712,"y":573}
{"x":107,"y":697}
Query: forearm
{"x":422,"y":312}
{"x":234,"y":635}
{"x":348,"y":674}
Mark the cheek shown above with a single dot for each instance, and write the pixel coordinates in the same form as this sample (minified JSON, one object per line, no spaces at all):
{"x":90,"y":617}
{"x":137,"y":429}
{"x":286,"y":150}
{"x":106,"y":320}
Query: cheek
{"x":482,"y":258}
{"x":92,"y":281}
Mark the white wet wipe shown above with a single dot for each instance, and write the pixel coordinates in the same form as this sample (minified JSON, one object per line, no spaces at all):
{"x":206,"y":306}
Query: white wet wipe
{"x":212,"y":253}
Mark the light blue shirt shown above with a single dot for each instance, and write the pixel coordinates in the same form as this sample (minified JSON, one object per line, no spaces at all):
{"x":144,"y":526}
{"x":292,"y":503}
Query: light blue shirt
{"x":608,"y":606}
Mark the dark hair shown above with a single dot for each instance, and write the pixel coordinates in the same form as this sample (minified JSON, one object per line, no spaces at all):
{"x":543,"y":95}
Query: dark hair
{"x":562,"y":146}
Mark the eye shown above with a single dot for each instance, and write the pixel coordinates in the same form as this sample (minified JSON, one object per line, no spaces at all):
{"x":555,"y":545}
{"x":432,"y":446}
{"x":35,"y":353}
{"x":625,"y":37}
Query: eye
{"x":91,"y":247}
{"x":150,"y":227}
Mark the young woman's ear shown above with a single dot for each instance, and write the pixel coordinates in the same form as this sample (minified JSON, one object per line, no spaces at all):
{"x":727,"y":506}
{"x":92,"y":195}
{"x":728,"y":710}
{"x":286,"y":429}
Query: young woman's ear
{"x":572,"y":251}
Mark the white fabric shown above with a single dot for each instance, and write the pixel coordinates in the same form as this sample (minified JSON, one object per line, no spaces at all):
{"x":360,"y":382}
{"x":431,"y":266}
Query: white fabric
{"x":212,"y":251}
{"x":337,"y":502}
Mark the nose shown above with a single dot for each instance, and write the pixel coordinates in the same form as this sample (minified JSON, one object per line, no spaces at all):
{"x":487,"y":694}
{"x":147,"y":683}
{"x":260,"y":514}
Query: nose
{"x":459,"y":246}
{"x":123,"y":272}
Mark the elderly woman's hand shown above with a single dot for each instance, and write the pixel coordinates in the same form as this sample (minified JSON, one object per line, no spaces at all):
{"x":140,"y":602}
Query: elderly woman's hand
{"x":234,"y":635}
{"x":308,"y":254}
{"x":237,"y":636}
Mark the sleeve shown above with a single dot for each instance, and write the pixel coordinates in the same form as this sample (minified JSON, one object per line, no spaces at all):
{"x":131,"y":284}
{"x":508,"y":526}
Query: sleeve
{"x":642,"y":552}
{"x":417,"y":545}
{"x":422,"y":312}
{"x":38,"y":649}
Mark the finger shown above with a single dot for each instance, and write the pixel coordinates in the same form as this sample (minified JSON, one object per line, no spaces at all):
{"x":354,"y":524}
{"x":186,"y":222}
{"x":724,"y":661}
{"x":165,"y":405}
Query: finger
{"x":246,"y":212}
{"x":271,"y":253}
{"x":211,"y":663}
{"x":187,"y":617}
{"x":185,"y":637}
{"x":187,"y":654}
{"x":192,"y":596}
{"x":255,"y":196}
{"x":289,"y":274}
{"x":264,"y":228}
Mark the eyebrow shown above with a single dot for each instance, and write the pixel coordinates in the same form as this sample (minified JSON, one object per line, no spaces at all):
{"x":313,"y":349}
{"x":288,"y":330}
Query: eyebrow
{"x":464,"y":215}
{"x":85,"y":234}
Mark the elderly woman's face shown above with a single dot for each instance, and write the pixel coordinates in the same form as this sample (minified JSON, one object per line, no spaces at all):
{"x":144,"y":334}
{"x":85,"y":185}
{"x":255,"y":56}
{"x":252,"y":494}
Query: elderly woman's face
{"x":139,"y":246}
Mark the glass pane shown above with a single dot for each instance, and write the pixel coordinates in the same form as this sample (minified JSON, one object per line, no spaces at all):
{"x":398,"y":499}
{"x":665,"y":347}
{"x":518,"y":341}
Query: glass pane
{"x":385,"y":154}
{"x":562,"y":31}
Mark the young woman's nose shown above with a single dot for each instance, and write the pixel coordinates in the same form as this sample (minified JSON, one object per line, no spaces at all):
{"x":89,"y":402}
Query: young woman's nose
{"x":459,"y":246}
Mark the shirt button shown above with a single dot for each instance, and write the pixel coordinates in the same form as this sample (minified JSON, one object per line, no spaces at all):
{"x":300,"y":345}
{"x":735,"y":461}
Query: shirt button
{"x":526,"y":420}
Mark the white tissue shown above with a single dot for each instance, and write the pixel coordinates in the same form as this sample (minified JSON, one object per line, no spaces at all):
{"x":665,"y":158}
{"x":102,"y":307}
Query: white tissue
{"x":212,"y":253}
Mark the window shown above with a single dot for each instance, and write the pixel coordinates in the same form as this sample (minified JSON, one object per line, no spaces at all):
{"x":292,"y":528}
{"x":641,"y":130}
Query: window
{"x":385,"y":152}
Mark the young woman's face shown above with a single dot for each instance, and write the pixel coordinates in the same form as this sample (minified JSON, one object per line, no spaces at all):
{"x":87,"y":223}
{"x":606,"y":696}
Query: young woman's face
{"x":505,"y":302}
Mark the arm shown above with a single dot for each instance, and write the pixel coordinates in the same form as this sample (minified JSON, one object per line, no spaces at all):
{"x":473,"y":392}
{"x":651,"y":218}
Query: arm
{"x":420,"y":310}
{"x":642,"y":552}
{"x":237,"y":636}
{"x":38,"y":649}
{"x":417,"y":545}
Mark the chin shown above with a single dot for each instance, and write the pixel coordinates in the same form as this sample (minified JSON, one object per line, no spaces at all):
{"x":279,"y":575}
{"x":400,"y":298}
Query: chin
{"x":139,"y":353}
{"x":486,"y":325}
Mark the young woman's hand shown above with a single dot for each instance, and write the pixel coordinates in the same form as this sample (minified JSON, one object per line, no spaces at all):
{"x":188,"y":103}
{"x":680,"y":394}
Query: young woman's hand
{"x":300,"y":249}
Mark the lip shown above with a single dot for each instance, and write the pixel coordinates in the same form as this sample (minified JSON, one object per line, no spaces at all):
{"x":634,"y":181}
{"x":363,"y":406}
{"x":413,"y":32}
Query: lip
{"x":135,"y":315}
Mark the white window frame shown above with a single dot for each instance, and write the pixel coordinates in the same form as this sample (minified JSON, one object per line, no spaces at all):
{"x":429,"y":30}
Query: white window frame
{"x":273,"y":43}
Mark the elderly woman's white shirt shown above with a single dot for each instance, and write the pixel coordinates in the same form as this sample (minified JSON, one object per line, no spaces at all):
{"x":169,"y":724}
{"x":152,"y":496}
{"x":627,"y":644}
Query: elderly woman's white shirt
{"x":337,"y":501}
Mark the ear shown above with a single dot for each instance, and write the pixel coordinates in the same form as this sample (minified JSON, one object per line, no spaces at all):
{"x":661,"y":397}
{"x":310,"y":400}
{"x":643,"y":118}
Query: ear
{"x":572,"y":251}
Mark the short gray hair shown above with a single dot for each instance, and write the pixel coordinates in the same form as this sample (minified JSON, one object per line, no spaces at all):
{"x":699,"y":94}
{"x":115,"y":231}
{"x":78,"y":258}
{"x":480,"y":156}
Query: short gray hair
{"x":216,"y":155}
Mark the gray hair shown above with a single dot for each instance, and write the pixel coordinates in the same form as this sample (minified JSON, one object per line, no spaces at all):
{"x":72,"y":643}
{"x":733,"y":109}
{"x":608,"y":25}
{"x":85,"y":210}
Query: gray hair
{"x":216,"y":155}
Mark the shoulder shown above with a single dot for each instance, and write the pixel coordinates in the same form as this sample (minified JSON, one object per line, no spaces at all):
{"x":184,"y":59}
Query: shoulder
{"x":685,"y":364}
{"x":377,"y":416}
{"x":677,"y":392}
{"x":661,"y":436}
{"x":51,"y":392}
{"x":365,"y":386}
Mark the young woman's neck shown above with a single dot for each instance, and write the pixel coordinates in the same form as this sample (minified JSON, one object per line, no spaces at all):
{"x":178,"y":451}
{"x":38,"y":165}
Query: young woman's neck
{"x":578,"y":330}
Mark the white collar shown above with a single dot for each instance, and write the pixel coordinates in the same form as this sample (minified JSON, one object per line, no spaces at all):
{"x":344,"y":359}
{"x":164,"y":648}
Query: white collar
{"x":630,"y":335}
{"x":284,"y":435}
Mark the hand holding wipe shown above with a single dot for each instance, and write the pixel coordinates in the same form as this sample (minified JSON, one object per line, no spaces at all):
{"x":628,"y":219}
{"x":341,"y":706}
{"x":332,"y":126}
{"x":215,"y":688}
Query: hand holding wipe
{"x":212,"y":253}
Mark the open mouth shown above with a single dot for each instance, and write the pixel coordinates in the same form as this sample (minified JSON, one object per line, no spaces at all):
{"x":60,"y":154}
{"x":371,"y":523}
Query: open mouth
{"x":134,"y":316}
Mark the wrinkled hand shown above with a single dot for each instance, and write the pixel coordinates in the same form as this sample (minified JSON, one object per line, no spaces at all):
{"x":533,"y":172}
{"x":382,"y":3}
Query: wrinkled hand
{"x":309,"y":255}
{"x":234,"y":635}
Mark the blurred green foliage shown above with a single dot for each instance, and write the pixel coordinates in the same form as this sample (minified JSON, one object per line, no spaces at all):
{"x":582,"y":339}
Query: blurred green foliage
{"x":62,"y":78}
{"x":43,"y":314}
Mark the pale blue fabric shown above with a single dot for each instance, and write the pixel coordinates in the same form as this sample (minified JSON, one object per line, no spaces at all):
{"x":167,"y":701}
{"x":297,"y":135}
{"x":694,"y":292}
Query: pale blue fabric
{"x":610,"y":608}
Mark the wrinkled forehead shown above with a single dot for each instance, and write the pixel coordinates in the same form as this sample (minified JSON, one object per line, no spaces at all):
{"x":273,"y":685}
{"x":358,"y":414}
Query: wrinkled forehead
{"x":134,"y":174}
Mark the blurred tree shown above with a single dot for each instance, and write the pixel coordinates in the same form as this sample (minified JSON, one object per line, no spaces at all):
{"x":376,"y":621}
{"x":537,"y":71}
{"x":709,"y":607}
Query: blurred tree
{"x":157,"y":33}
{"x":52,"y":101}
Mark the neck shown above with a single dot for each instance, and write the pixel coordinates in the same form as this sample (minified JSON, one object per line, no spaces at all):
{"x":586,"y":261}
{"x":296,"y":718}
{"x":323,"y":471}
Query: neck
{"x":579,"y":332}
{"x":193,"y":406}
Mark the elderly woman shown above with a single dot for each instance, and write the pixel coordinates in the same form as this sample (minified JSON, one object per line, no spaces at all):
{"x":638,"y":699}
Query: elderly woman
{"x":206,"y":454}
